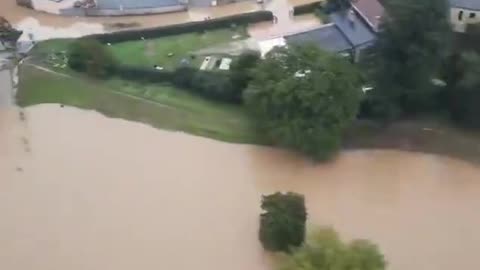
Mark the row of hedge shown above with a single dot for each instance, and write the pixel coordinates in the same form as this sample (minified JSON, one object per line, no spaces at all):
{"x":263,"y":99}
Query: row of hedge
{"x":198,"y":26}
{"x":212,"y":85}
{"x":306,"y":8}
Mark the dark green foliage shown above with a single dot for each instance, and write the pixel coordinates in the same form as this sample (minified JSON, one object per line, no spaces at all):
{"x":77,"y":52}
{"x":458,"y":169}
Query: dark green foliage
{"x":212,"y":85}
{"x":241,"y":72}
{"x":464,"y":89}
{"x":144,"y":74}
{"x":306,"y":8}
{"x":216,"y":86}
{"x":197,"y":26}
{"x":303,"y":98}
{"x":92,"y":57}
{"x":414,"y":39}
{"x":324,"y":250}
{"x":282,"y":224}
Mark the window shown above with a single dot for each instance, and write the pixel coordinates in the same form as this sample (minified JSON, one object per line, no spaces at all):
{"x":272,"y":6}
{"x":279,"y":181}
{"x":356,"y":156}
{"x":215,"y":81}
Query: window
{"x":472,"y":15}
{"x":460,"y":15}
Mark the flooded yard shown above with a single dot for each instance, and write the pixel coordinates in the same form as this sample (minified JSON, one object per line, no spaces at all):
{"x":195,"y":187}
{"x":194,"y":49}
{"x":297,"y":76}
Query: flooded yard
{"x":82,"y":191}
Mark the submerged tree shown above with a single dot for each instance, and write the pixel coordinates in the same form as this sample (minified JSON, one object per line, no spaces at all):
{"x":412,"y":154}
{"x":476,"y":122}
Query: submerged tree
{"x":282,"y":224}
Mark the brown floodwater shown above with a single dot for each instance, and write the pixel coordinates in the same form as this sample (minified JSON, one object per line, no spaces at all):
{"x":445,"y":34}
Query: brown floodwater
{"x":81,"y":191}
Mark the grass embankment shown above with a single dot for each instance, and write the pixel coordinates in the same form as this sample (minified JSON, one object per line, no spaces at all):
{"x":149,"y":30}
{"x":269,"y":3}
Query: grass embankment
{"x":158,"y":105}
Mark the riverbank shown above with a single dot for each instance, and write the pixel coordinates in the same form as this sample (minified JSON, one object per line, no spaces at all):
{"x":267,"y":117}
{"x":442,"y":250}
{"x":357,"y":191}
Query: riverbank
{"x":95,"y":192}
{"x":165,"y":107}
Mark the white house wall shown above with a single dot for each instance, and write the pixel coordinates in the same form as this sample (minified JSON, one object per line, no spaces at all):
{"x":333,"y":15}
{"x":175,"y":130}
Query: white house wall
{"x":460,"y":25}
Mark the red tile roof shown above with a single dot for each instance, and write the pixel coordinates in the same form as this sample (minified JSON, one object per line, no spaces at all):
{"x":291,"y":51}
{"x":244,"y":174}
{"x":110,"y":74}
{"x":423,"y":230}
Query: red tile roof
{"x":370,"y":10}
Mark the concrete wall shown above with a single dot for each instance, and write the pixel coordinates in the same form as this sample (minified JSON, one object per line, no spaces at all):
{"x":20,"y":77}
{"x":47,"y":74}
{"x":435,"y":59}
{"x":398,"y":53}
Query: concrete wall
{"x":140,"y":11}
{"x":460,"y":22}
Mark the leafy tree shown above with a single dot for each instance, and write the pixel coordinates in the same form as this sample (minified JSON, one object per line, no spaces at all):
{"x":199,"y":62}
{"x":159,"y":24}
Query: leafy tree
{"x":324,"y":250}
{"x":89,"y":55}
{"x":303,"y":98}
{"x":241,"y":71}
{"x":464,"y":89}
{"x":282,"y":225}
{"x":411,"y":44}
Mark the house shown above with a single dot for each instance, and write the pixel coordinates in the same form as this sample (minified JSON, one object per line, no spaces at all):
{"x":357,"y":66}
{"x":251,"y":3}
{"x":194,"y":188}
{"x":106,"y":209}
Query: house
{"x":464,"y":12}
{"x":349,"y":32}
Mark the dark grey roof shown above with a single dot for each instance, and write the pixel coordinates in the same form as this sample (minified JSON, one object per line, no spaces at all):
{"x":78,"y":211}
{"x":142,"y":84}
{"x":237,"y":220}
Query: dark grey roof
{"x":467,"y":4}
{"x":135,"y":4}
{"x":354,"y":28}
{"x":327,"y":37}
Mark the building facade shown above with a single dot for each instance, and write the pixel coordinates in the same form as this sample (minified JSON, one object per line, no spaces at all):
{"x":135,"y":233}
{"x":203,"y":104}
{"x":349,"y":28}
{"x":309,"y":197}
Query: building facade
{"x":463,"y":13}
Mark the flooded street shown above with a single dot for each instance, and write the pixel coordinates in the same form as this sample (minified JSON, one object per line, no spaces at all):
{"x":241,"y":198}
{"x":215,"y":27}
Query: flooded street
{"x":80,"y":191}
{"x":47,"y":26}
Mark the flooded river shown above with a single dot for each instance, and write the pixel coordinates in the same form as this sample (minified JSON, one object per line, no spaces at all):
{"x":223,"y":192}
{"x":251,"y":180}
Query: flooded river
{"x":80,"y":191}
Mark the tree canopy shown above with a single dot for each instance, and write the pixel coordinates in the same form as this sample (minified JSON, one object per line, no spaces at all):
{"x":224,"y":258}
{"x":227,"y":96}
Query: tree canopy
{"x":303,"y":98}
{"x":89,"y":55}
{"x":324,"y":250}
{"x":282,"y":224}
{"x":464,"y":89}
{"x":414,"y":37}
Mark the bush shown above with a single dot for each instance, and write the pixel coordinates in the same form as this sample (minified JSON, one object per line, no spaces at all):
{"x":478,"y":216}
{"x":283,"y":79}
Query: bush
{"x":92,"y":57}
{"x":282,"y":225}
{"x":216,"y":86}
{"x":306,"y":8}
{"x":189,"y":27}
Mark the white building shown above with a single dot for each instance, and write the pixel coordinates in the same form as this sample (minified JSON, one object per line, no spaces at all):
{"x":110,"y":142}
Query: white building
{"x":464,"y":12}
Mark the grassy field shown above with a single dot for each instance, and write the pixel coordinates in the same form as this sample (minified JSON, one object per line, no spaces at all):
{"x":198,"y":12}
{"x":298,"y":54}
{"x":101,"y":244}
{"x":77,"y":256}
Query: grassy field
{"x":158,"y":105}
{"x":156,"y":51}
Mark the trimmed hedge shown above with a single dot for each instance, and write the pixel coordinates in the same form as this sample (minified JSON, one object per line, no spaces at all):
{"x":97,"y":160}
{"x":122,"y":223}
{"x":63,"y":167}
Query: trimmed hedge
{"x":162,"y":31}
{"x":306,"y":8}
{"x":212,"y":85}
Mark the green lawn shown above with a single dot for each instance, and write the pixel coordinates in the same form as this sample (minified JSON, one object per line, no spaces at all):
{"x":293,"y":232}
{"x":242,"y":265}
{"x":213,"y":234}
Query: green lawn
{"x":155,"y":51}
{"x":161,"y":106}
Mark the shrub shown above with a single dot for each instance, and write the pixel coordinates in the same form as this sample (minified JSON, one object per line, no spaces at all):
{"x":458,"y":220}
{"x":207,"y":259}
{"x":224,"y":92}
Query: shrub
{"x":240,"y":19}
{"x":92,"y":57}
{"x":282,"y":225}
{"x":306,"y":8}
{"x":216,"y":86}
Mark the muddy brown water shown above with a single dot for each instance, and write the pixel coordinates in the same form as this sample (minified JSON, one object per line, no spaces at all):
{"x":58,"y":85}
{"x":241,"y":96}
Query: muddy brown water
{"x":80,"y":191}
